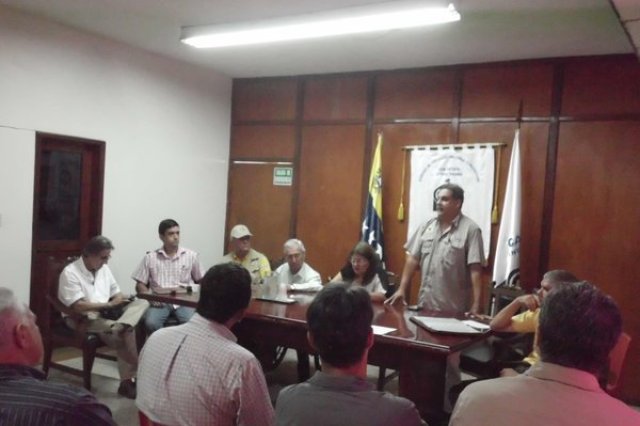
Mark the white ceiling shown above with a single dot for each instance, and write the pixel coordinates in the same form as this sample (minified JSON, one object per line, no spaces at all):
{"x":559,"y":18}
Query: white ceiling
{"x":490,"y":30}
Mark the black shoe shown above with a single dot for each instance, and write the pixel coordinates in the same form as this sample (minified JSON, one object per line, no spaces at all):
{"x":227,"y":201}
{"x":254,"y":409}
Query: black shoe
{"x":127,"y":388}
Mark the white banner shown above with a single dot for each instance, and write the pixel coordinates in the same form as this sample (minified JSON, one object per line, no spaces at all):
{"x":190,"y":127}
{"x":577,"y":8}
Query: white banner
{"x":471,"y":167}
{"x":506,"y":267}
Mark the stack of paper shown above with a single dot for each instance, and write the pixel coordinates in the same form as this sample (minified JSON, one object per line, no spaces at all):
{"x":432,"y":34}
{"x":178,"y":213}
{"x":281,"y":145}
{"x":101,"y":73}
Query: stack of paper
{"x":450,"y":325}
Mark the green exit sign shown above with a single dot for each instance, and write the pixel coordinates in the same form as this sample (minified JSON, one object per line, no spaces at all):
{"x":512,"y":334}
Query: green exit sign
{"x":282,"y":176}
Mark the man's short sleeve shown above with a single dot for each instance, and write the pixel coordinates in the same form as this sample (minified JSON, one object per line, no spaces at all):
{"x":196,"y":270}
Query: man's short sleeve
{"x":475,"y":248}
{"x":141,"y":274}
{"x":414,"y":244}
{"x":69,"y":287}
{"x":265,"y":266}
{"x":525,"y":322}
{"x":197,"y":271}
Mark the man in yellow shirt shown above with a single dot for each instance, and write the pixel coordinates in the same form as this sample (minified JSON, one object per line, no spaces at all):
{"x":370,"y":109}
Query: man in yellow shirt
{"x":241,"y":253}
{"x":508,"y":318}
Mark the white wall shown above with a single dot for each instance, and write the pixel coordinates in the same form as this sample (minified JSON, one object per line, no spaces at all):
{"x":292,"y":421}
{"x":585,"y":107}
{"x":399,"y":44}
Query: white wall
{"x":166,"y":127}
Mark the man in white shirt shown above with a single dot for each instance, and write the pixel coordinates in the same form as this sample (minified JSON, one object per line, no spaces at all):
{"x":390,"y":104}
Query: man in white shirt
{"x":196,"y":373}
{"x":296,"y":273}
{"x":88,"y":287}
{"x":578,"y":327}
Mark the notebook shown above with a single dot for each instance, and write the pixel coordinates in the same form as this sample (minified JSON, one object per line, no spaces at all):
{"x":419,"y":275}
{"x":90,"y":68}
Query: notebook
{"x":450,"y":325}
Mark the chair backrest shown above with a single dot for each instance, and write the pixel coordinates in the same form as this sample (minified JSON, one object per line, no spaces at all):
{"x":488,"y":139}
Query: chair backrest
{"x":616,"y":361}
{"x":54,"y":307}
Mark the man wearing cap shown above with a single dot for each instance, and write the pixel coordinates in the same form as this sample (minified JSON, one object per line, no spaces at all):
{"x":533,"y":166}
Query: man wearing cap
{"x":241,"y":253}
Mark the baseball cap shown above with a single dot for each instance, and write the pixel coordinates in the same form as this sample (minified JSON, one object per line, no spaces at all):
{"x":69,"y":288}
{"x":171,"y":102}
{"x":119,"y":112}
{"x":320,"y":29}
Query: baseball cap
{"x":239,"y":231}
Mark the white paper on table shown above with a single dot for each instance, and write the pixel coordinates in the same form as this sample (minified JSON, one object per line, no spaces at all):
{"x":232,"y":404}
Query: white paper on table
{"x":378,"y":329}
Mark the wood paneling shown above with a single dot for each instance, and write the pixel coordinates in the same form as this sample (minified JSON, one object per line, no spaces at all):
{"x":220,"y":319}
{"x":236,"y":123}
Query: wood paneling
{"x":415,"y":94}
{"x":589,"y":226}
{"x":533,"y":149}
{"x":330,"y":203}
{"x":262,"y":206}
{"x":602,"y":86}
{"x":262,"y":142}
{"x":596,"y":223}
{"x":336,"y":98}
{"x":397,"y":136}
{"x":269,"y":99}
{"x":496,"y":91}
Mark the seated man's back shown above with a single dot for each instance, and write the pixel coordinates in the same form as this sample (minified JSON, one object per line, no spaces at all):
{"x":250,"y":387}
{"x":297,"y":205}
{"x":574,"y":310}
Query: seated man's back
{"x":328,"y":401}
{"x":26,"y":398}
{"x":196,"y":373}
{"x":578,"y":327}
{"x":339,"y":322}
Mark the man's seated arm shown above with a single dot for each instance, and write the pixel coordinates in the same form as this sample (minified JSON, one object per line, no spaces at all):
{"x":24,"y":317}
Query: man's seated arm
{"x":83,"y":305}
{"x":142,"y":288}
{"x":502,"y":321}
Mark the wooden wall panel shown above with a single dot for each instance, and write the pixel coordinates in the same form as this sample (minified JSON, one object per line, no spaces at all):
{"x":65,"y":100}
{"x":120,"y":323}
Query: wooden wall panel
{"x":596,"y":225}
{"x":497,"y":90}
{"x":263,"y":207}
{"x":395,"y":232}
{"x":593,"y":222}
{"x":262,"y":142}
{"x":268,"y":99}
{"x":330,"y":199}
{"x":415,"y":94}
{"x":336,"y":98}
{"x":601,"y":86}
{"x":533,"y":151}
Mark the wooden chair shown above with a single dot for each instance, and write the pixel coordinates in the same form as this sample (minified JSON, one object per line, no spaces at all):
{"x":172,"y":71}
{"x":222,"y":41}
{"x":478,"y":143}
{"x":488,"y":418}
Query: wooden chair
{"x":616,"y":361}
{"x":56,"y":334}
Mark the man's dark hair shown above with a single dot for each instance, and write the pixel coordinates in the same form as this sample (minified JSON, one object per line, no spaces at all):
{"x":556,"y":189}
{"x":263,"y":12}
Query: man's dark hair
{"x":457,"y":193}
{"x":578,"y":327}
{"x":365,"y":250}
{"x":224,"y":290}
{"x":339,"y":321}
{"x":559,"y":276}
{"x":166,"y":224}
{"x":96,"y":245}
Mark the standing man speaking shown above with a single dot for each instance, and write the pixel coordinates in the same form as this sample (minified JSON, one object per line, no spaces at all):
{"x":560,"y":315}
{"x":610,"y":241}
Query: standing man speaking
{"x":448,"y":249}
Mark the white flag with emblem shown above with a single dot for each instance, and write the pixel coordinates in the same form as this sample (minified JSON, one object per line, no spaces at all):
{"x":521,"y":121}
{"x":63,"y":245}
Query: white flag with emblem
{"x":506,"y":268}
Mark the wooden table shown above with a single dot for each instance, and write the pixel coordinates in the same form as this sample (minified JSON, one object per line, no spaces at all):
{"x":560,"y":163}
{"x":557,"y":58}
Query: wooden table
{"x":418,"y":355}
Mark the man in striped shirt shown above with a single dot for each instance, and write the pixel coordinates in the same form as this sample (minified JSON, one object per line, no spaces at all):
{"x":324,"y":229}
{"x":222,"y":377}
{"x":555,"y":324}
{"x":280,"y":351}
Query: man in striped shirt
{"x":168,"y":266}
{"x":26,"y":398}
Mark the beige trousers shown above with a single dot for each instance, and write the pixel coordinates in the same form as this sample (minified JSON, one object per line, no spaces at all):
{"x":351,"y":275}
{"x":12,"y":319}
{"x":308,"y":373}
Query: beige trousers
{"x":124,"y":342}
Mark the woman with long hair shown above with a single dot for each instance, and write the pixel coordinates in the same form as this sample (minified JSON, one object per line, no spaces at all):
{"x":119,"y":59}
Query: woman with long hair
{"x":362,"y":268}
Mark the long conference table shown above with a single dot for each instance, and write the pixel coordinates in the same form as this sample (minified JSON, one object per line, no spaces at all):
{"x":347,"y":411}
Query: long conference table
{"x":419,"y":356}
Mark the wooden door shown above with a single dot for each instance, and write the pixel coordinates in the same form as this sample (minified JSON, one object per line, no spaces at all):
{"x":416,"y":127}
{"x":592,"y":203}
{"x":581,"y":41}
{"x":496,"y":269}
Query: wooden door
{"x":67,"y":203}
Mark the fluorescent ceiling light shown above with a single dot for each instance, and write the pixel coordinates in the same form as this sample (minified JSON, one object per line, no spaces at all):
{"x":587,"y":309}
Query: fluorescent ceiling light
{"x":375,"y":17}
